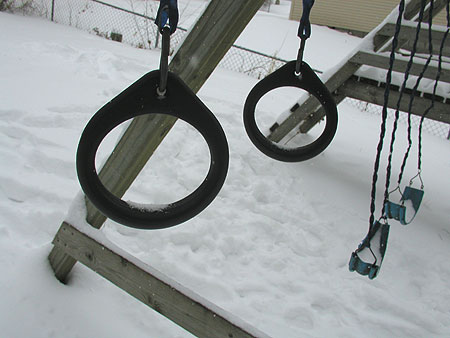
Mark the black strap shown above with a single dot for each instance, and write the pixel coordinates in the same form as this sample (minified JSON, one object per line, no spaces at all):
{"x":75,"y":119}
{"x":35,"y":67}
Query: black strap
{"x":397,"y":110}
{"x":433,"y":98}
{"x":384,"y":114}
{"x":416,"y":86}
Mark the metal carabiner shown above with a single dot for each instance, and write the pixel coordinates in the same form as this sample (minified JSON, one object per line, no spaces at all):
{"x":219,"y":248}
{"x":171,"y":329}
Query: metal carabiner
{"x":167,"y":15}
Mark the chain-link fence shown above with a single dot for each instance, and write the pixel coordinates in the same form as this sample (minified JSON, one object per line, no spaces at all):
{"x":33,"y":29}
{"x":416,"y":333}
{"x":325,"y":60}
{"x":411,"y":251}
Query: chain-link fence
{"x":250,"y":62}
{"x":108,"y":21}
{"x":138,"y":29}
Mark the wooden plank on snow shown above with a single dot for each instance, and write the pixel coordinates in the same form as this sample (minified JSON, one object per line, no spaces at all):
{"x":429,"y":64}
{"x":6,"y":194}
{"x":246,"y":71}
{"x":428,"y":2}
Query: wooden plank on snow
{"x":408,"y":34}
{"x":400,"y":65}
{"x":169,"y":298}
{"x":368,"y":92}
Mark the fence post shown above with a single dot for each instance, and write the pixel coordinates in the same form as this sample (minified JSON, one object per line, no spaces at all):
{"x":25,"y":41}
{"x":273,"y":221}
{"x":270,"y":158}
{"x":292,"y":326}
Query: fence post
{"x":157,"y":40}
{"x":53,"y":11}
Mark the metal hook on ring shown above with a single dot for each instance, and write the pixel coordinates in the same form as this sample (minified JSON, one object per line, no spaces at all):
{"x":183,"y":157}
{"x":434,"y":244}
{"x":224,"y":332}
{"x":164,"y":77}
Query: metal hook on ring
{"x":164,"y":62}
{"x":298,"y":64}
{"x":304,"y":32}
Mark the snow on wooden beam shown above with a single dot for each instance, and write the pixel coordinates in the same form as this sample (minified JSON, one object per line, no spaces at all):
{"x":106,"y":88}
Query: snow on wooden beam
{"x":408,"y":33}
{"x":372,"y":93}
{"x":400,"y":65}
{"x":413,"y":7}
{"x":179,"y":304}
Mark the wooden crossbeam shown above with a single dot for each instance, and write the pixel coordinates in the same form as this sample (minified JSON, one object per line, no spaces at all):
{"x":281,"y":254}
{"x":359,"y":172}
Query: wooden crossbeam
{"x":312,"y":119}
{"x":400,"y":65}
{"x":310,"y":105}
{"x":169,"y":298}
{"x":369,"y":91}
{"x":411,"y":13}
{"x":366,"y":89}
{"x":408,"y":33}
{"x":413,"y":8}
{"x":304,"y":111}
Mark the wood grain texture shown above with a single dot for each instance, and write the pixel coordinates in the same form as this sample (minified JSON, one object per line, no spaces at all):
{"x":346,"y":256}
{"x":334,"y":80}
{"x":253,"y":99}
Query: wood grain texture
{"x":371,"y":93}
{"x":163,"y":295}
{"x":400,"y":65}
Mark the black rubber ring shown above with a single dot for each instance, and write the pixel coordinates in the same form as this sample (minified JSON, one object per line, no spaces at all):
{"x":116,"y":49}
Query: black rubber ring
{"x":285,"y":77}
{"x":139,"y":99}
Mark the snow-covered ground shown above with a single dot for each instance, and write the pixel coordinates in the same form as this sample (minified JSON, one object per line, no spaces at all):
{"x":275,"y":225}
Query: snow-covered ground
{"x":272,"y":249}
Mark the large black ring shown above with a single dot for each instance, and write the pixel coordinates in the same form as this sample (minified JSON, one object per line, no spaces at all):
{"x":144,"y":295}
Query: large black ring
{"x":139,"y":99}
{"x":286,"y":77}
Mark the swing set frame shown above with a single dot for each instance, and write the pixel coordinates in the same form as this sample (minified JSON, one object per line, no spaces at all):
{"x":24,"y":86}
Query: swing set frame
{"x":215,"y":31}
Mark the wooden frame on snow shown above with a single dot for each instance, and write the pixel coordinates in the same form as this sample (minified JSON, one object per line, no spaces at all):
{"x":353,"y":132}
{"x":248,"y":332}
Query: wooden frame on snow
{"x":182,"y":306}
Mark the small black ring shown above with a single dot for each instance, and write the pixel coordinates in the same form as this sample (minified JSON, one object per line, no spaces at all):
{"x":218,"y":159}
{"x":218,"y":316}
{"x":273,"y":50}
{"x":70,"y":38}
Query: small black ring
{"x":285,"y":77}
{"x":139,"y":99}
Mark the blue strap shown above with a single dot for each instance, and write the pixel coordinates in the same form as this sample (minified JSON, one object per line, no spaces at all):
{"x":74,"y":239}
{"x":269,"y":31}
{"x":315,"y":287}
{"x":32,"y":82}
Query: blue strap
{"x":304,"y":29}
{"x":167,"y":14}
{"x":398,"y":211}
{"x":373,"y":247}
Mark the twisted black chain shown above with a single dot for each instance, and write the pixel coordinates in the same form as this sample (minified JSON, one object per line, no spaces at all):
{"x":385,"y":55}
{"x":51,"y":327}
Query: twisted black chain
{"x":397,"y":111}
{"x":385,"y":112}
{"x":413,"y":94}
{"x":419,"y":163}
